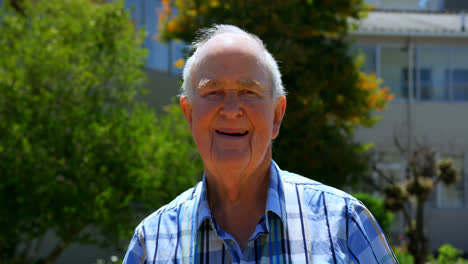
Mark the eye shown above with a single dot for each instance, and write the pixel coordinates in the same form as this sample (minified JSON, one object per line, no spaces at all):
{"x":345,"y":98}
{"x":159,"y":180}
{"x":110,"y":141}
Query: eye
{"x":213,"y":93}
{"x":248,"y":92}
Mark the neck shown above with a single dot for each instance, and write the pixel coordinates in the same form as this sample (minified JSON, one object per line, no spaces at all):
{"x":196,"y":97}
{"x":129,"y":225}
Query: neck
{"x":246,"y":193}
{"x":231,"y":204}
{"x":228,"y":190}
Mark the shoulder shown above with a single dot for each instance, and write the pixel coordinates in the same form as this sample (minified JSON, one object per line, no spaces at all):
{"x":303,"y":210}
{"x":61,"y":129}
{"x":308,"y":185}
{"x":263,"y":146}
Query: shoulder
{"x":315,"y":193}
{"x":167,"y":215}
{"x":161,"y":228}
{"x":312,"y":186}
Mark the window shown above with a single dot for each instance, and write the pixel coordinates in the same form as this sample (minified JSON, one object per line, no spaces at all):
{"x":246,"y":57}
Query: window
{"x":424,"y":82}
{"x":459,"y":74}
{"x":431,"y":79}
{"x":423,"y":78}
{"x":439,"y":74}
{"x":393,"y":62}
{"x":460,"y":84}
{"x":370,"y":59}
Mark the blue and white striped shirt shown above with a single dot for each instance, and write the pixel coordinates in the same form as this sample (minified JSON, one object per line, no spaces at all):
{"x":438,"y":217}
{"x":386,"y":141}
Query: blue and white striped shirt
{"x":304,"y":222}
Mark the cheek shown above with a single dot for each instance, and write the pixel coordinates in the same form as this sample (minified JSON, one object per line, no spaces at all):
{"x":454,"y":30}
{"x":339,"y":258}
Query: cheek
{"x":204,"y":110}
{"x":262,"y":120}
{"x":201,"y":113}
{"x":201,"y":125}
{"x":200,"y":129}
{"x":263,"y":116}
{"x":202,"y":141}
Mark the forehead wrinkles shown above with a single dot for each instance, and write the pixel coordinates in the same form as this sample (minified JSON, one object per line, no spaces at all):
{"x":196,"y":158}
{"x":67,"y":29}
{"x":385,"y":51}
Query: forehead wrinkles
{"x":229,"y":62}
{"x":213,"y":63}
{"x":246,"y":71}
{"x":225,"y":45}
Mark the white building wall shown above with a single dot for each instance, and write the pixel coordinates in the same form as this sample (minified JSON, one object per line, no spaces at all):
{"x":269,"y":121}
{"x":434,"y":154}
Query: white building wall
{"x":442,"y":123}
{"x":407,"y":4}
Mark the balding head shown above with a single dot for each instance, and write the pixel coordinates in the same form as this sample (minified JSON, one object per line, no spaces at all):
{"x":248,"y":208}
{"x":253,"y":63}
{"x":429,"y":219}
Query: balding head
{"x":229,"y":39}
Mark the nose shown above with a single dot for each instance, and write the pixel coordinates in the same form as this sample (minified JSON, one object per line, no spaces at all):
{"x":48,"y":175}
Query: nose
{"x":231,"y":107}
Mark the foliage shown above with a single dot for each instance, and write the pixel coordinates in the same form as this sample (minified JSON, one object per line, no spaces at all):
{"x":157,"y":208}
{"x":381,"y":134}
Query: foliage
{"x":376,"y":205}
{"x":403,"y":256}
{"x":449,"y":255}
{"x":328,"y":96}
{"x":409,"y":193}
{"x":78,"y":156}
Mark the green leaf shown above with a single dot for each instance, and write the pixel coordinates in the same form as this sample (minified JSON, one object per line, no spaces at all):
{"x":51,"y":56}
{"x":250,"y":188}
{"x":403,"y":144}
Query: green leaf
{"x":76,"y":150}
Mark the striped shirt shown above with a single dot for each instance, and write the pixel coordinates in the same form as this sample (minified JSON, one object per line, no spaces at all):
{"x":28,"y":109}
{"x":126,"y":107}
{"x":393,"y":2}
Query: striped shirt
{"x":304,"y":222}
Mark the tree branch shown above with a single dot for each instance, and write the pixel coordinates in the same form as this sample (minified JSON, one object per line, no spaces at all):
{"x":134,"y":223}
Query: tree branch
{"x":373,"y":184}
{"x":398,"y":145}
{"x":382,"y":175}
{"x":407,"y":216}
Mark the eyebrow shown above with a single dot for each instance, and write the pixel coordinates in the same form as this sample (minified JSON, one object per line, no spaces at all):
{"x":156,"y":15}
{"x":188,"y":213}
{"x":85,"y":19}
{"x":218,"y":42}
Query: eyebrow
{"x":248,"y":83}
{"x":208,"y":82}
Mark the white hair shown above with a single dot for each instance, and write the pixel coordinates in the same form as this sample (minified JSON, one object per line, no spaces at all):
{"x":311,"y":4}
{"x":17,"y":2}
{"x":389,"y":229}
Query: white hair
{"x":204,"y":35}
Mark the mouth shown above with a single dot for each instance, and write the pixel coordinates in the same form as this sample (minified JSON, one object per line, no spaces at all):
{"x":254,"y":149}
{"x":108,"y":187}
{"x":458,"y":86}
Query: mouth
{"x":232,"y":134}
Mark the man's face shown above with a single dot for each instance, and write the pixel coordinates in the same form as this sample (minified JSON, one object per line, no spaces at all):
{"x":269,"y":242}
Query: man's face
{"x":232,"y":115}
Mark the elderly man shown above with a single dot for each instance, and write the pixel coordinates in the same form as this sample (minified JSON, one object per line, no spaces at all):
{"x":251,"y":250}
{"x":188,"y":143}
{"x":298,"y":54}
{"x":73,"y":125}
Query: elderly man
{"x":246,"y":209}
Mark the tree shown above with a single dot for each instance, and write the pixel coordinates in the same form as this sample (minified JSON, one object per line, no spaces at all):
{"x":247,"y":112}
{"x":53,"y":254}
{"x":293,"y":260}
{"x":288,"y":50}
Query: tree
{"x":328,"y":96}
{"x":409,"y":194}
{"x":448,"y":255}
{"x":78,"y":156}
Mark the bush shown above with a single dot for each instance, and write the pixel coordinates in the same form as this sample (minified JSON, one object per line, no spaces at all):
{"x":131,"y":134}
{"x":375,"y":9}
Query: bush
{"x":448,"y":254}
{"x":78,"y":156}
{"x":403,"y":256}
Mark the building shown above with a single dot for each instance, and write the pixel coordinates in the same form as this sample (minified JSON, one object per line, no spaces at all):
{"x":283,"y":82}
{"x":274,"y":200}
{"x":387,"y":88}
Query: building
{"x":162,"y":75}
{"x":420,"y":50}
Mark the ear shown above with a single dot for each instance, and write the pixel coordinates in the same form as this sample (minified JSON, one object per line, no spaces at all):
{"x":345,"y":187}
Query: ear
{"x":280,"y":109}
{"x":187,"y":108}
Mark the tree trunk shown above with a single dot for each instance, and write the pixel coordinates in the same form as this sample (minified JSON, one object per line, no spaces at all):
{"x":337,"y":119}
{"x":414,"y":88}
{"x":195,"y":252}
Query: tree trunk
{"x":421,"y":247}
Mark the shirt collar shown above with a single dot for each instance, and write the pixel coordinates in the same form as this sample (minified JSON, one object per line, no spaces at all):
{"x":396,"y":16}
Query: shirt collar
{"x":204,"y":211}
{"x":274,"y":202}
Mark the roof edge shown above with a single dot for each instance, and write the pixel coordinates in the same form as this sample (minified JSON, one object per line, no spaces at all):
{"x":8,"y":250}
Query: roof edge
{"x":409,"y":33}
{"x":415,"y":11}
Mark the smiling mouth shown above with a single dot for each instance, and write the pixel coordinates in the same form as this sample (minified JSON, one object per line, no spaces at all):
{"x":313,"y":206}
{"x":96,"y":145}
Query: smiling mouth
{"x":232,"y":134}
